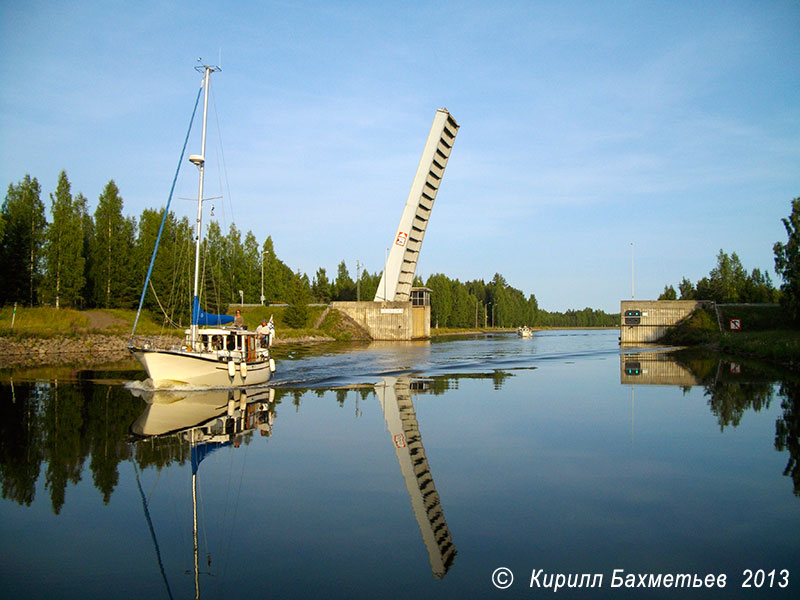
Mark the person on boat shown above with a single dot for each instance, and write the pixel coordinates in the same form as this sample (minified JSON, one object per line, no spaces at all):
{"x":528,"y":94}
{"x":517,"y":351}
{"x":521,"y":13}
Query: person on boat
{"x":263,"y":333}
{"x":238,"y":321}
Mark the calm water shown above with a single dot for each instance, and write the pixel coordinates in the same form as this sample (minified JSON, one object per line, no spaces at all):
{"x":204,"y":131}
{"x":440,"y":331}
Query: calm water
{"x":405,"y":471}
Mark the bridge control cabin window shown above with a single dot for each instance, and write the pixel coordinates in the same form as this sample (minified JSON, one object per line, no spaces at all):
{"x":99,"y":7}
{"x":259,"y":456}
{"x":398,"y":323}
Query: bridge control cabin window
{"x":420,"y":296}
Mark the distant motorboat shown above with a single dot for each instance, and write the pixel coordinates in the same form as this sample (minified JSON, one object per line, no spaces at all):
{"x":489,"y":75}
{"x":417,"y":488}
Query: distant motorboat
{"x":524,"y":331}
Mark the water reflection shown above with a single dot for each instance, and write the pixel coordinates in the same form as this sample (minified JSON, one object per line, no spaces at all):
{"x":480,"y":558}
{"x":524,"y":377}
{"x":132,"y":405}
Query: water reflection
{"x":305,"y":505}
{"x":732,"y":388}
{"x":220,"y":416}
{"x":206,"y":421}
{"x":59,"y":427}
{"x":394,"y":395}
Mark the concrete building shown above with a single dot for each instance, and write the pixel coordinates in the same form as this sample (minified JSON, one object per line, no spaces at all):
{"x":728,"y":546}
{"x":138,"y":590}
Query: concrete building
{"x":645,"y":321}
{"x":393,"y":320}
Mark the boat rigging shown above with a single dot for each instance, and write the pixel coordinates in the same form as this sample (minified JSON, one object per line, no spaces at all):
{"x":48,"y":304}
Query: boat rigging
{"x":214,"y":353}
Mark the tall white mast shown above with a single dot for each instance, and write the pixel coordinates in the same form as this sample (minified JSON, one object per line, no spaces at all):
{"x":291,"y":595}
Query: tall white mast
{"x":200,"y":161}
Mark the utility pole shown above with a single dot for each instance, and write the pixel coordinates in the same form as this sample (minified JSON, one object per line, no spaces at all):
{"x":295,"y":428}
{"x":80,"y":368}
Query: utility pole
{"x":358,"y":280}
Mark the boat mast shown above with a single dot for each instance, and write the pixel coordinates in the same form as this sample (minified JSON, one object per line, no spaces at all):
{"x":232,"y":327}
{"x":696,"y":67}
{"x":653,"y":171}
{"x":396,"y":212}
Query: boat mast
{"x":194,"y":522}
{"x":200,"y":161}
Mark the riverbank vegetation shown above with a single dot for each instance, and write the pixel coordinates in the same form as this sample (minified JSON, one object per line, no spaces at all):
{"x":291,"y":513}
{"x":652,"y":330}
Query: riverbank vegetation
{"x":82,"y":260}
{"x":729,"y":283}
{"x":768,"y":332}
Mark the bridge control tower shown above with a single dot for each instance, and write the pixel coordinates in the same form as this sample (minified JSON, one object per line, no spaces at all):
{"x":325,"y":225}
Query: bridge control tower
{"x":398,"y":276}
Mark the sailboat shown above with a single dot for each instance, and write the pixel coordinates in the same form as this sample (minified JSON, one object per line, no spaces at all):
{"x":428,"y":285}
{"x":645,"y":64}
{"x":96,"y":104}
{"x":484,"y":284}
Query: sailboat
{"x":213,"y":354}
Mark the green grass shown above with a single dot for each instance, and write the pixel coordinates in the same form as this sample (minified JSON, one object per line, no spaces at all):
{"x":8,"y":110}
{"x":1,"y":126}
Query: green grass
{"x":781,"y":346}
{"x":699,"y":328}
{"x":766,"y":333}
{"x":41,"y":321}
{"x":47,"y":321}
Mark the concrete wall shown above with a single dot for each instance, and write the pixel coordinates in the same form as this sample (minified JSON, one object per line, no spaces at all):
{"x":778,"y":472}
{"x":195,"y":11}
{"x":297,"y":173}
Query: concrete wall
{"x":392,"y":321}
{"x":654,"y":318}
{"x":654,"y":368}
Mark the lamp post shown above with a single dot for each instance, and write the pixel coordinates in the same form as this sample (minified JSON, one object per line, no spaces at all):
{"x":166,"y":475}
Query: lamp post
{"x":385,"y":275}
{"x":632,"y":271}
{"x":358,"y":280}
{"x":262,"y":278}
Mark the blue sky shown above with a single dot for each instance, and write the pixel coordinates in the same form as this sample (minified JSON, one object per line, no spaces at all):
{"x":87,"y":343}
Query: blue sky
{"x":585,"y":127}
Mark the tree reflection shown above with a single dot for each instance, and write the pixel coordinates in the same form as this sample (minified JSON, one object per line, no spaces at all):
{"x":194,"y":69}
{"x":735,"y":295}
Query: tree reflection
{"x":734,"y":387}
{"x":729,"y":400}
{"x":20,"y":452}
{"x":62,"y":425}
{"x":787,"y":431}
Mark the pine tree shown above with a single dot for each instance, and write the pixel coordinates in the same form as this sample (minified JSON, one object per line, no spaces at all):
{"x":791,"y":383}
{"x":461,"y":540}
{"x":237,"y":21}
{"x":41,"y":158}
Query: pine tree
{"x":321,"y":287}
{"x":21,"y":249}
{"x":344,"y":286}
{"x":112,"y":252}
{"x":296,"y":314}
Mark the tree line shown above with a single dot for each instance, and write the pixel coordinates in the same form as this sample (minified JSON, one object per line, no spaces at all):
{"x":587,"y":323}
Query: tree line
{"x":727,"y":283}
{"x":84,"y":260}
{"x":100,"y":260}
{"x":730,"y":283}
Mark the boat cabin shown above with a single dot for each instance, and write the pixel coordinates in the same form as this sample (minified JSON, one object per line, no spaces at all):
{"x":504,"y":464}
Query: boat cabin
{"x":226,"y":342}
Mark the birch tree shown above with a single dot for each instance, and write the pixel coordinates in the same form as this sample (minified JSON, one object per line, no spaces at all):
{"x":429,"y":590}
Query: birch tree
{"x":64,"y":259}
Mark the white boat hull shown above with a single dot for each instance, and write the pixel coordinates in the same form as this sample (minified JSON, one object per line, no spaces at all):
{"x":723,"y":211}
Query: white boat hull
{"x":168,"y":368}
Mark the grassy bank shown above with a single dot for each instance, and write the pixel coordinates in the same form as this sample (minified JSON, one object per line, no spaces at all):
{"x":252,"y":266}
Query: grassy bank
{"x":766,"y":333}
{"x":46,"y":322}
{"x":49,"y":322}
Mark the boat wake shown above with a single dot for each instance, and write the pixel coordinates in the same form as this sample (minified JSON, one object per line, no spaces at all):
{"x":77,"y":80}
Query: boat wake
{"x":367,"y":365}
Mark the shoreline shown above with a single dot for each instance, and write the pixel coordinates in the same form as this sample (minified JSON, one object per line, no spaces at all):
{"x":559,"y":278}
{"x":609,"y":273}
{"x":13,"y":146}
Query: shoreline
{"x":90,"y":349}
{"x":93,"y":349}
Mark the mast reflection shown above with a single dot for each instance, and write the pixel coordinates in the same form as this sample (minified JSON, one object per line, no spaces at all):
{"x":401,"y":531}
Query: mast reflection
{"x":207,"y":420}
{"x":394,"y":394}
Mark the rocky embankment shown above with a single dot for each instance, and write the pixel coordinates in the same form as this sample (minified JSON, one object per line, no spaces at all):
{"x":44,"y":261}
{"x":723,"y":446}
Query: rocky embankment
{"x":92,"y":346}
{"x":89,"y":349}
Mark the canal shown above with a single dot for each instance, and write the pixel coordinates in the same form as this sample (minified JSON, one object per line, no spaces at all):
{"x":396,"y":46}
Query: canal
{"x":468,"y":467}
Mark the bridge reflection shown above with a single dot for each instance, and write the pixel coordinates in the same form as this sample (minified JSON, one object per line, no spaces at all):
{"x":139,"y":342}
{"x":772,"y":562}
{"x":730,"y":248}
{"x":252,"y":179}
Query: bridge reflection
{"x":394,"y":394}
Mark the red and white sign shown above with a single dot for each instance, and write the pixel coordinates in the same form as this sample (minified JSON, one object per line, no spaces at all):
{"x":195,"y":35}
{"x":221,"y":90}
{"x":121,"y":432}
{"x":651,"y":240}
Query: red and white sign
{"x":402,"y":238}
{"x":400,"y":440}
{"x":736,"y":324}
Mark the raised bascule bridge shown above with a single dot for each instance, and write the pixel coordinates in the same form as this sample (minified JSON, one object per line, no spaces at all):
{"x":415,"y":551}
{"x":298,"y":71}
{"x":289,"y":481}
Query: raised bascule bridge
{"x":399,"y":310}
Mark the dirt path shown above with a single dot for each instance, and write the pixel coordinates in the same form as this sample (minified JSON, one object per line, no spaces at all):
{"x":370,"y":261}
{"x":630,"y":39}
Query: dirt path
{"x":101,"y":320}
